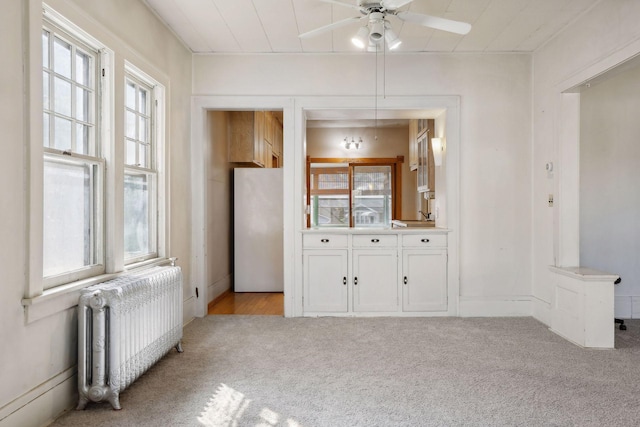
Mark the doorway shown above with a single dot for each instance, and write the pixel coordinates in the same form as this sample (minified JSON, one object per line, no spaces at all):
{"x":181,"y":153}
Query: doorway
{"x":248,"y":303}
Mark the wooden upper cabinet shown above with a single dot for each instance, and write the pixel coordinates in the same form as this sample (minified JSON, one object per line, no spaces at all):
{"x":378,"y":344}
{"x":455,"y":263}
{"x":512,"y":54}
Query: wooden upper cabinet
{"x":255,"y":138}
{"x":246,"y":140}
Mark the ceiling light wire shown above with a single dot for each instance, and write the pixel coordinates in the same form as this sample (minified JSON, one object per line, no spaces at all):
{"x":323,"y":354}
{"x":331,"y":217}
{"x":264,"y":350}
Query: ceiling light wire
{"x":375,"y":129}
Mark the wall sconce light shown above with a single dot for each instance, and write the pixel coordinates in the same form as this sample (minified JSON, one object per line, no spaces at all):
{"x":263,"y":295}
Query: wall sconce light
{"x":353,"y":144}
{"x":437,"y":148}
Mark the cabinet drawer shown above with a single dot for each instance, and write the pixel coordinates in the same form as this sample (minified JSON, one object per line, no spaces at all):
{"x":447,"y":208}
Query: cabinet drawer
{"x":374,"y":240}
{"x":424,"y":240}
{"x":324,"y":241}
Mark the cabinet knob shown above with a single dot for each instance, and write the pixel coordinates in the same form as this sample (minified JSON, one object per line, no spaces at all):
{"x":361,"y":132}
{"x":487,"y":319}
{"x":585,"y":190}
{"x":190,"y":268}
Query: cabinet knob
{"x":405,"y":280}
{"x":424,"y":240}
{"x":344,"y":280}
{"x":324,"y":240}
{"x":375,"y":240}
{"x":355,"y":280}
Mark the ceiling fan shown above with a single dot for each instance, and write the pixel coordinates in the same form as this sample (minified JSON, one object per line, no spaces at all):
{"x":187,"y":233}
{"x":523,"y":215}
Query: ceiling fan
{"x":378,"y":29}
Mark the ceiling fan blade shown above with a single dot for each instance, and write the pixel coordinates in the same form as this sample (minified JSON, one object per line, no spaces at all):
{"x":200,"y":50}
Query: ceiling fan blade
{"x":435,"y":22}
{"x":394,"y":4}
{"x":352,"y":6}
{"x":330,"y":27}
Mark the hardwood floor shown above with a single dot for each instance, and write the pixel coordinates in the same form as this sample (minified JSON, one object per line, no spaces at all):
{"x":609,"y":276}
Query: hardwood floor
{"x":264,"y":303}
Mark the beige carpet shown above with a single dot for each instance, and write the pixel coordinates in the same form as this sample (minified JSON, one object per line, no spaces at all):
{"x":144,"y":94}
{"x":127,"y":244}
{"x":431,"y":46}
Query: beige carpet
{"x":272,"y":371}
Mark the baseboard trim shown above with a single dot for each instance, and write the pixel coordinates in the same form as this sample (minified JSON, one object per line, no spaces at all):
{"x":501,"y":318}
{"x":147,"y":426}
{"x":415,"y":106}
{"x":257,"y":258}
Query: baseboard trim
{"x":510,"y":306}
{"x":218,"y":288}
{"x":188,"y":310}
{"x":541,"y":311}
{"x":43,"y":404}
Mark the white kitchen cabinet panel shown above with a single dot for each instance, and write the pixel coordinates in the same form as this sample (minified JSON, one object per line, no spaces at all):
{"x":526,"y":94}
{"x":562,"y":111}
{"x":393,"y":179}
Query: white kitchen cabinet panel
{"x":325,"y":280}
{"x":424,"y":280}
{"x":375,"y":280}
{"x":375,"y":240}
{"x":324,"y":241}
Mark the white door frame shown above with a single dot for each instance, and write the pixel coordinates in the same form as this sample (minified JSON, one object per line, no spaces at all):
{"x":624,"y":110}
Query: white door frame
{"x":294,"y":152}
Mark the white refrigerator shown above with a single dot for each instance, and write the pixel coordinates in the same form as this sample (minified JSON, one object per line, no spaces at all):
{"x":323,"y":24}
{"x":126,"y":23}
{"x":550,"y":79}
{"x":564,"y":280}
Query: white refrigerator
{"x":257,"y":225}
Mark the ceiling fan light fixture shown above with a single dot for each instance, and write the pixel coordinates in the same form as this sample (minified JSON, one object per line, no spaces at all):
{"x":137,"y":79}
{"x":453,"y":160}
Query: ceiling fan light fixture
{"x":392,"y":39}
{"x":376,"y":27}
{"x":360,"y":38}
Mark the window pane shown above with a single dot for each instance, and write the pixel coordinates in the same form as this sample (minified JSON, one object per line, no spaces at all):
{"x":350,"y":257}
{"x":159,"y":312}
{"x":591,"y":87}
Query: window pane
{"x":82,"y":68}
{"x":142,"y":105}
{"x":329,"y":195}
{"x":45,"y":49}
{"x":45,"y":91}
{"x":143,"y":129}
{"x":82,"y":104}
{"x":45,"y":130}
{"x":130,"y":125}
{"x":131,"y":153}
{"x":143,"y":155}
{"x":62,"y":96}
{"x":372,"y":196}
{"x":82,"y":139}
{"x":62,"y":58}
{"x":330,"y":211}
{"x":68,"y":199}
{"x":62,"y":132}
{"x":130,"y":96}
{"x":136,"y":216}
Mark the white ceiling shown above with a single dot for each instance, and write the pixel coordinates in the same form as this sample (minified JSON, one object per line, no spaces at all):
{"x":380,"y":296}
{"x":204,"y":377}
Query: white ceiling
{"x":272,"y":26}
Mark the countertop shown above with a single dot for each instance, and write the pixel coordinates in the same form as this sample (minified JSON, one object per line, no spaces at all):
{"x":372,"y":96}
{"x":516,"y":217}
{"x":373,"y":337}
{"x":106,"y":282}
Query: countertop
{"x":372,"y":230}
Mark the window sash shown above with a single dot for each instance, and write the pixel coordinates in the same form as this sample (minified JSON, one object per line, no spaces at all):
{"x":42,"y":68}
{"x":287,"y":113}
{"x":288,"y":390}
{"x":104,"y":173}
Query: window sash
{"x":94,"y":242}
{"x":139,"y":124}
{"x":79,"y":90}
{"x":146,"y":223}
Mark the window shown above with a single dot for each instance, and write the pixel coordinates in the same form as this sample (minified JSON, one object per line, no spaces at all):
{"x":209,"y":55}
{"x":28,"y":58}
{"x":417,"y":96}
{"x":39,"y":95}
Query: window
{"x":85,"y":159}
{"x":140,"y":176}
{"x":354,"y":194}
{"x":73,"y":167}
{"x":330,"y":195}
{"x":372,"y":196}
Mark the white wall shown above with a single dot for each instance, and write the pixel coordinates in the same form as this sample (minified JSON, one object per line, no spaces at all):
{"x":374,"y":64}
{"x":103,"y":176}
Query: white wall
{"x":37,"y":367}
{"x":218,"y":215}
{"x":603,"y":37}
{"x":609,"y":177}
{"x":495,"y":157}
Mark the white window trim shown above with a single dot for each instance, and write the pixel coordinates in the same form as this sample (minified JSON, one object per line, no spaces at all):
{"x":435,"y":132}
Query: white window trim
{"x":36,"y":22}
{"x":158,"y":161}
{"x":39,"y":302}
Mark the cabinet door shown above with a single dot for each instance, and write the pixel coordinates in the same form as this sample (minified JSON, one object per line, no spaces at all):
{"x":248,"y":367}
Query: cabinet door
{"x":325,"y":280}
{"x":423,"y":163}
{"x":413,"y":144}
{"x":375,"y":280}
{"x":258,"y":138}
{"x":424,"y":280}
{"x":268,"y":155}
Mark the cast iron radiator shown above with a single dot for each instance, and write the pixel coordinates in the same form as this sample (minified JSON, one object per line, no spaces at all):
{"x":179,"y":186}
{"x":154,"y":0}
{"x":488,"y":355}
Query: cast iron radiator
{"x":126,"y":325}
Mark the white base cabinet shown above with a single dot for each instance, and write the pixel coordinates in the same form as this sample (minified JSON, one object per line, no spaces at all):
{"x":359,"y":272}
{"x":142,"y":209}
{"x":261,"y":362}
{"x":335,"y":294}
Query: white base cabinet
{"x":325,"y":280}
{"x":370,"y":274}
{"x":375,"y":280}
{"x":424,"y":280}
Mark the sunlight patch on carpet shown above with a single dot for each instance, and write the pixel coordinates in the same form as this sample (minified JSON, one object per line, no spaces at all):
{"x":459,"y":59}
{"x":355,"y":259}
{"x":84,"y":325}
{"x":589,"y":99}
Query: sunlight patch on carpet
{"x":226,"y":407}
